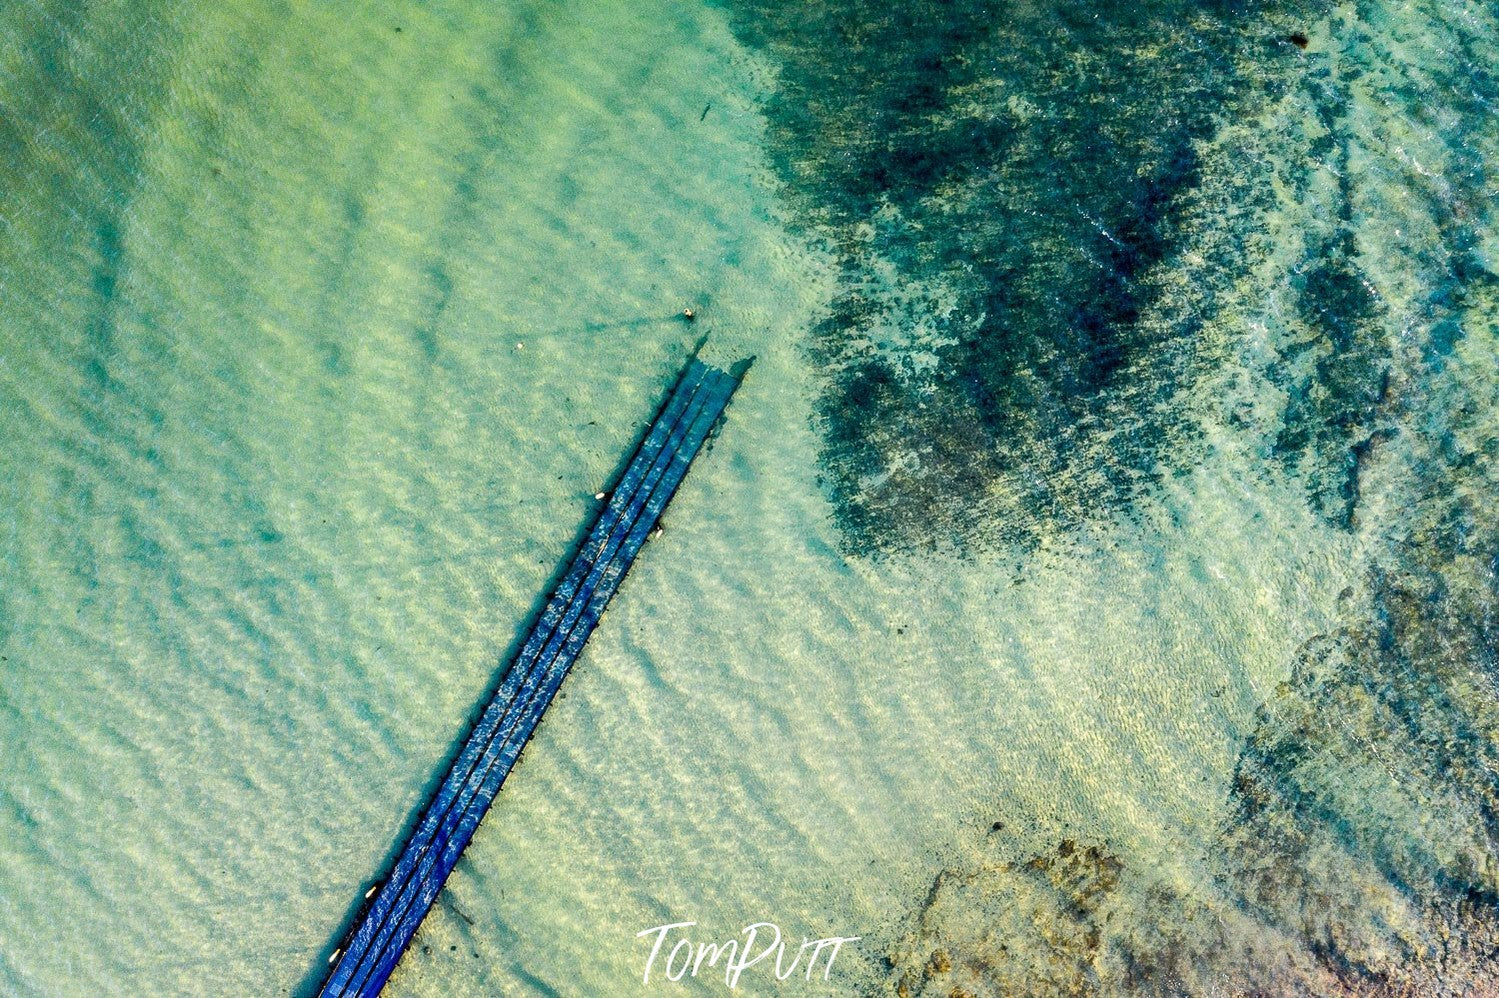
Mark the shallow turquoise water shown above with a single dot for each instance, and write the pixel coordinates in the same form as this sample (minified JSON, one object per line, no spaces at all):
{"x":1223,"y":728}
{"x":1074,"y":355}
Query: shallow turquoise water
{"x":316,"y":339}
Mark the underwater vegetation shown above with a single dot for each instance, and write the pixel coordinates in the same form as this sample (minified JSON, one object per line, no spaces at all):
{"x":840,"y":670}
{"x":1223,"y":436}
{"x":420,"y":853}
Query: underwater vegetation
{"x":1080,"y":246}
{"x":1007,"y":189}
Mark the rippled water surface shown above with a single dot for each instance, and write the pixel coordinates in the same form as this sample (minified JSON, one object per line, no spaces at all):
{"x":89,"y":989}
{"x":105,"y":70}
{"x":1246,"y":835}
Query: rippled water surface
{"x":1091,"y":591}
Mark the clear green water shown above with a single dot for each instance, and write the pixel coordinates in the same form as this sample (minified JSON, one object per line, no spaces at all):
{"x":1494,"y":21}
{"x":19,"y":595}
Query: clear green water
{"x":317,"y":337}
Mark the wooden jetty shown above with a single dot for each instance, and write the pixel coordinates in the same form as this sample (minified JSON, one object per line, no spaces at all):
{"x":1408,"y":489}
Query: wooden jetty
{"x":394,"y":910}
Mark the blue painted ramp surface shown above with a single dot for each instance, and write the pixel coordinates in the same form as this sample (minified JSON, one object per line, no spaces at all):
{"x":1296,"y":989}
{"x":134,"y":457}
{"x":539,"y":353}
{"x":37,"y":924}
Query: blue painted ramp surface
{"x":390,"y":919}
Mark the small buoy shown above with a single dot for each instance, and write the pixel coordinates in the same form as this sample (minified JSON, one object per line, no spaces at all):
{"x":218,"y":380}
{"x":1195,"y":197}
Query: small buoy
{"x":520,"y":346}
{"x":598,"y":495}
{"x":336,"y":953}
